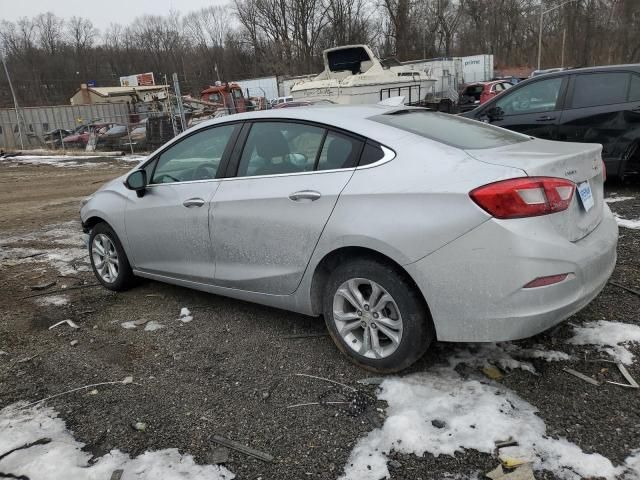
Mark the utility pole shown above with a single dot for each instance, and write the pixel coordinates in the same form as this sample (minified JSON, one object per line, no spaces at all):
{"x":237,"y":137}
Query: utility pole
{"x":542,"y":13}
{"x":540,"y":34}
{"x":564,"y":36}
{"x":15,"y":100}
{"x":176,"y":88}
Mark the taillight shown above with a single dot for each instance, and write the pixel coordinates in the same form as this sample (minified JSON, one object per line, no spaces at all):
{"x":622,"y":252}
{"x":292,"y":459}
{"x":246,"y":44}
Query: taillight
{"x":524,"y":197}
{"x":604,"y":171}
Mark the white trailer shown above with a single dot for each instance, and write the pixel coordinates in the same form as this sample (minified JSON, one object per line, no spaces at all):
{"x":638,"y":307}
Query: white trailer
{"x":259,"y":87}
{"x":477,"y":68}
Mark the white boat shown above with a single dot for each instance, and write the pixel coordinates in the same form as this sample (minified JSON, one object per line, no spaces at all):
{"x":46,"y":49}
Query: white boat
{"x":353,"y":75}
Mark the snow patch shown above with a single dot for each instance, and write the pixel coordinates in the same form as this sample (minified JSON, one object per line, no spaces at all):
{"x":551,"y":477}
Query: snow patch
{"x":63,"y":457}
{"x":627,"y":223}
{"x":66,"y":254}
{"x":185,"y":315}
{"x":473,"y":413}
{"x":152,"y":326}
{"x":56,"y":300}
{"x":609,"y":337}
{"x":618,"y":199}
{"x":476,"y":415}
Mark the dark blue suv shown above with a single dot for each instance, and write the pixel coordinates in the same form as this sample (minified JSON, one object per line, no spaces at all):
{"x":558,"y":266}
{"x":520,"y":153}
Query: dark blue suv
{"x":591,"y":105}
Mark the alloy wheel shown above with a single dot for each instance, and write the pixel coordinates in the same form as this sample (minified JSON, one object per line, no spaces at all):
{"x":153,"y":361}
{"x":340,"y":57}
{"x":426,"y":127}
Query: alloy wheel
{"x":105,"y":258}
{"x":367,"y":318}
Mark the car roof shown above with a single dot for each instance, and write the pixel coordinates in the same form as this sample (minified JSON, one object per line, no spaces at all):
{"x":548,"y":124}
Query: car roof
{"x":635,"y":67}
{"x":353,"y":118}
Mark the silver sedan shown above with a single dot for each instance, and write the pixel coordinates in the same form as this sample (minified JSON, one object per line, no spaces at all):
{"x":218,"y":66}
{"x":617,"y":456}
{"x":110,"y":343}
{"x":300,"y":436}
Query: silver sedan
{"x":398,"y":225}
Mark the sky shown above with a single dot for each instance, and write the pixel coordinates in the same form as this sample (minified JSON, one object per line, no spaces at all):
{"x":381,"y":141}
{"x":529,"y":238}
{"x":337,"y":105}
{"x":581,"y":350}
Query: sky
{"x":100,"y":13}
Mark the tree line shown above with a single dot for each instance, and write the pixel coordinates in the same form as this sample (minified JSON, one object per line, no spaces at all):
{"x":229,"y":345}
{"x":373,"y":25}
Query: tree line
{"x":49,"y":57}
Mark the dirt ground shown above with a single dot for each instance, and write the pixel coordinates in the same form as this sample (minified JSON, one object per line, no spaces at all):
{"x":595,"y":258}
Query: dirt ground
{"x":232,"y":371}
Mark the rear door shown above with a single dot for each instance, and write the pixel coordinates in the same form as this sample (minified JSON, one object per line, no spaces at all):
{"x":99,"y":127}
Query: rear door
{"x":267,"y":218}
{"x":603,"y":108}
{"x":533,"y":108}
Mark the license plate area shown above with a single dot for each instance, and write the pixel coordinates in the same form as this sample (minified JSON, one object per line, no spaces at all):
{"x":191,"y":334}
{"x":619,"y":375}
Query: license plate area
{"x":585,"y":194}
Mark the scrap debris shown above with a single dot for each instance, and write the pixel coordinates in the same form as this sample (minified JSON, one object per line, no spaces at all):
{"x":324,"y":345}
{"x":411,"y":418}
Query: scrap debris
{"x":43,"y":286}
{"x":41,"y":441}
{"x":523,"y":472}
{"x":494,"y":373}
{"x":265,"y":457}
{"x":581,"y":376}
{"x":623,"y":371}
{"x":306,"y":335}
{"x":71,"y":323}
{"x":125,"y":381}
{"x":627,"y":376}
{"x":63,"y":290}
{"x":624,"y":287}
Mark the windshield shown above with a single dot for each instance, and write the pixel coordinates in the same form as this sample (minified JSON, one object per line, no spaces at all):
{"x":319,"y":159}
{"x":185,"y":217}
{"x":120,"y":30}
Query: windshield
{"x":450,"y":129}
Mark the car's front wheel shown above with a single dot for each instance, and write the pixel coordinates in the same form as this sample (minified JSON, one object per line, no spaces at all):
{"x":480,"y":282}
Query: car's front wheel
{"x":108,"y":259}
{"x":376,"y":316}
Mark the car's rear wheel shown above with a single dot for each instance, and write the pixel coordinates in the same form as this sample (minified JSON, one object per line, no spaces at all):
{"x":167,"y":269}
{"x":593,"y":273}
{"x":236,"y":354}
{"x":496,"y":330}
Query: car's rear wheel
{"x":375,"y":316}
{"x":108,"y":259}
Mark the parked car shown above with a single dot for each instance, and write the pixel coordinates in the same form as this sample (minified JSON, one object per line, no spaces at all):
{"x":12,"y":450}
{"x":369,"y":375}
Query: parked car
{"x":53,"y":138}
{"x":478,"y":93}
{"x":398,"y":224}
{"x":112,"y":137}
{"x":592,"y":105}
{"x":138,"y":138}
{"x":280,"y":100}
{"x":80,"y":136}
{"x":536,"y":73}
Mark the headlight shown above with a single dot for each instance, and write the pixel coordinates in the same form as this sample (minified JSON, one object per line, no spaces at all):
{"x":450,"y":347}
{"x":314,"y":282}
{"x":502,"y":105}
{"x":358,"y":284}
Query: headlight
{"x":85,"y":200}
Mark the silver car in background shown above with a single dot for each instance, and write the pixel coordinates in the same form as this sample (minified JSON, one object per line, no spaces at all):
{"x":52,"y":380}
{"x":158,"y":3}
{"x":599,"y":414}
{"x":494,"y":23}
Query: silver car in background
{"x":398,"y":225}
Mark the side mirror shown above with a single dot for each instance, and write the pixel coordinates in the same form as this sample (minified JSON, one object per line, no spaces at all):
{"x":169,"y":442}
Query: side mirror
{"x":137,"y":181}
{"x":494,"y":113}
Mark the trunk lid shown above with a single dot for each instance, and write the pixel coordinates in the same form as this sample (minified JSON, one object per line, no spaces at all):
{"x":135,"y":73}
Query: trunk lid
{"x":578,"y":162}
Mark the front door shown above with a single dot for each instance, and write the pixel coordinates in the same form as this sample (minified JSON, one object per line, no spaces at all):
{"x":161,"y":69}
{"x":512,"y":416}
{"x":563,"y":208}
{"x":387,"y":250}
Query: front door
{"x":268,"y":219}
{"x":532,"y":109}
{"x":168,"y":228}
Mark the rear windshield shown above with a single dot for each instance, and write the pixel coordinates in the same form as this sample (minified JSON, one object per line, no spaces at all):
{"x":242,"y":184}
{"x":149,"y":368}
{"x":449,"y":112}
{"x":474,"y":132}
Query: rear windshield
{"x":452,"y":130}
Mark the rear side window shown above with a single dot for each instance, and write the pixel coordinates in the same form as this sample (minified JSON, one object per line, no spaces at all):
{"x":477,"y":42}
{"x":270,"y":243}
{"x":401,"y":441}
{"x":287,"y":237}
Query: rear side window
{"x":452,"y":130}
{"x":371,"y":153}
{"x":634,"y":89}
{"x":593,"y":89}
{"x":339,"y":151}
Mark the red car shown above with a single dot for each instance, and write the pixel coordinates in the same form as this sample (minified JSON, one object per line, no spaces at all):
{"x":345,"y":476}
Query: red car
{"x":474,"y":94}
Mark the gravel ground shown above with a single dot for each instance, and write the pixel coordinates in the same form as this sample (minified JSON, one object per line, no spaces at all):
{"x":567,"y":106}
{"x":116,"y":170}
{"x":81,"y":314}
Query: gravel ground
{"x":232,"y":371}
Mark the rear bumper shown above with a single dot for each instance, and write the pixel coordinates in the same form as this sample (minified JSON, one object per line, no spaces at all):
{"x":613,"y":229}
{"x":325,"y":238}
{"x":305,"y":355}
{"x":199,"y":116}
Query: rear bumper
{"x":474,"y":284}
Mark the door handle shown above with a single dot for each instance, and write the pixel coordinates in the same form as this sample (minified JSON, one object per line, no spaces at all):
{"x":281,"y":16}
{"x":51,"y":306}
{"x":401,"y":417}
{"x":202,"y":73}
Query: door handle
{"x":193,"y":202}
{"x":545,"y":118}
{"x":636,"y":109}
{"x":305,"y":195}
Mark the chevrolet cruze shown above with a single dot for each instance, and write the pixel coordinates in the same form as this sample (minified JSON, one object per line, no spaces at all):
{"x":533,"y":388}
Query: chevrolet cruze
{"x":398,"y":225}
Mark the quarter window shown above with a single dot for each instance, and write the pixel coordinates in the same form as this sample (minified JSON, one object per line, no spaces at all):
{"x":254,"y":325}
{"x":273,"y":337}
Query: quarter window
{"x":371,"y":153}
{"x":339,"y":151}
{"x":540,"y":96}
{"x":197,"y":157}
{"x":279,"y":147}
{"x":590,"y":90}
{"x":634,"y":89}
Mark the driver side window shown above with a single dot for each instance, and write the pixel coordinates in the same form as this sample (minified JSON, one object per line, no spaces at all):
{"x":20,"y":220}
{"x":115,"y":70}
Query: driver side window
{"x":197,"y":157}
{"x":538,"y":97}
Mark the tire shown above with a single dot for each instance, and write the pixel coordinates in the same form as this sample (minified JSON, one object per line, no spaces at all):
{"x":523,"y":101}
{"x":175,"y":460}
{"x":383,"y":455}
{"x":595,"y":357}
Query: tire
{"x":104,"y":236}
{"x":405,"y":317}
